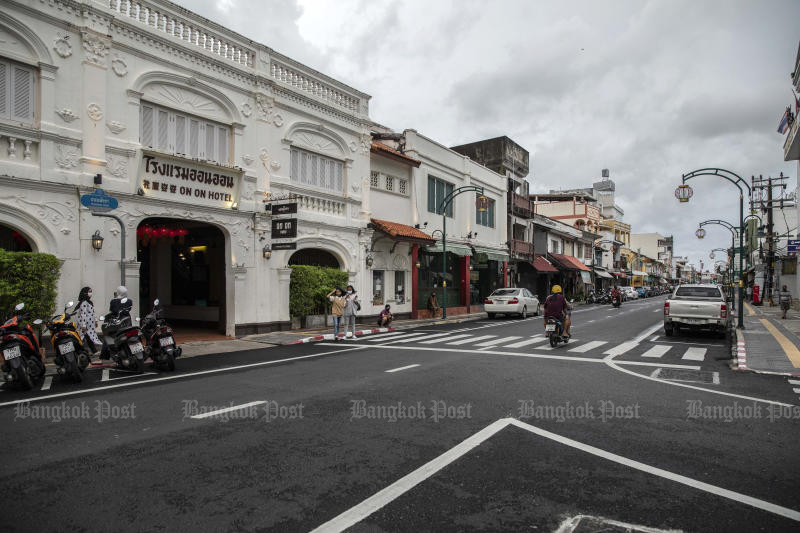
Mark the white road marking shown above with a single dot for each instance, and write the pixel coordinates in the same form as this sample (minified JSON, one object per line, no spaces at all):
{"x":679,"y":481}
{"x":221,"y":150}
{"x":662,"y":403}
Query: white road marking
{"x":189,"y":374}
{"x":106,"y":374}
{"x":226,"y":410}
{"x":684,"y":480}
{"x":654,"y":338}
{"x":414,"y":337}
{"x":383,"y":497}
{"x":401,"y":368}
{"x":588,"y":346}
{"x":794,"y":381}
{"x":467,"y":341}
{"x":649,"y":331}
{"x":48,"y":380}
{"x":656,"y":372}
{"x":526,"y":342}
{"x":137,"y":375}
{"x":390,"y":334}
{"x":657,"y":351}
{"x":621,"y":348}
{"x":445,"y":339}
{"x":694,"y":354}
{"x":498,"y":341}
{"x":796,"y":391}
{"x":656,"y":310}
{"x":380,"y":499}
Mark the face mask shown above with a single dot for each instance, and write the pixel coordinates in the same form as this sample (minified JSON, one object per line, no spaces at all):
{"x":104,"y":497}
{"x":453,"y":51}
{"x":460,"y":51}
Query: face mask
{"x":349,"y":292}
{"x":89,"y":294}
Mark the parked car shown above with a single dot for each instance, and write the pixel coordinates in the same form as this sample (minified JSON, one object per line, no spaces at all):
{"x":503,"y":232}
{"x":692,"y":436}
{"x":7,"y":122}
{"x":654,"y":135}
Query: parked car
{"x":641,"y":292}
{"x":630,"y":293}
{"x":700,"y":306}
{"x":511,"y":301}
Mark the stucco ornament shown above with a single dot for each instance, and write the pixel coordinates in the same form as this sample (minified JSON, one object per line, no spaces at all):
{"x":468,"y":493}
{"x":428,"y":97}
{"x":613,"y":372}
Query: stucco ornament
{"x":266,"y":110}
{"x":117,"y":165}
{"x":116,"y":127}
{"x":264,"y":157}
{"x":62,"y":46}
{"x":248,"y":159}
{"x":96,"y":48}
{"x":247,"y":110}
{"x":66,"y":156}
{"x":275,"y":165}
{"x":94,"y":111}
{"x":119,"y":66}
{"x":67,"y":115}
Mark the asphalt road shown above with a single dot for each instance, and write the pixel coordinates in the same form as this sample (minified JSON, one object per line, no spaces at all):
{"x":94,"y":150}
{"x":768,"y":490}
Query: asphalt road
{"x":476,"y":426}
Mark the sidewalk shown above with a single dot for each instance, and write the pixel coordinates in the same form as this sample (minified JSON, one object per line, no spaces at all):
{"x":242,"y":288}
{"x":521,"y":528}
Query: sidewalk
{"x":768,"y":343}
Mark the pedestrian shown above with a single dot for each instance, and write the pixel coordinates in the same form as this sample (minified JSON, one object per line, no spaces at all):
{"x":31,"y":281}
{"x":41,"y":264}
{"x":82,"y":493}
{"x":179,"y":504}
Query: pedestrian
{"x":351,"y":308}
{"x":785,"y":299}
{"x":87,"y":321}
{"x":433,"y":304}
{"x":336,"y":296}
{"x":386,"y":316}
{"x":116,"y":306}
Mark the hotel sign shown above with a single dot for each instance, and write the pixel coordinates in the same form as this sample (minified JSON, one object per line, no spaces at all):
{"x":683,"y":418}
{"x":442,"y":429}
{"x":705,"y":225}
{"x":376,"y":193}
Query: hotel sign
{"x":176,"y":179}
{"x":285,"y":228}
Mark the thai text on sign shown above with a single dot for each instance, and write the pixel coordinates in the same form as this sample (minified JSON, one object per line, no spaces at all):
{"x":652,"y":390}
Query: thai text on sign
{"x":174,"y":178}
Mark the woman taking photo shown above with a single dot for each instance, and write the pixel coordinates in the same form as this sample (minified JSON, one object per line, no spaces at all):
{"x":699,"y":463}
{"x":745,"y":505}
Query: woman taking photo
{"x":351,"y":309}
{"x":336,"y":296}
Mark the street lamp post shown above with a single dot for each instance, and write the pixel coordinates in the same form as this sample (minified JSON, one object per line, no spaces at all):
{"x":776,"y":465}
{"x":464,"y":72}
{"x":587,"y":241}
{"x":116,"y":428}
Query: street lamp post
{"x":732,"y":229}
{"x":735,"y":179}
{"x":446,"y":201}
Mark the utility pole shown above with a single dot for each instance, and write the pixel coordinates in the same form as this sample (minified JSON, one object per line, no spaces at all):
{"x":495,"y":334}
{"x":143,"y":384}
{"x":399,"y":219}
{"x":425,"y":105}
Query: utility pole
{"x":760,"y":184}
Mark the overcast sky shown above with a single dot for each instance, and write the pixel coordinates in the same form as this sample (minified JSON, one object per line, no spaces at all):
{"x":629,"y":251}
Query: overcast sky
{"x":647,"y":89}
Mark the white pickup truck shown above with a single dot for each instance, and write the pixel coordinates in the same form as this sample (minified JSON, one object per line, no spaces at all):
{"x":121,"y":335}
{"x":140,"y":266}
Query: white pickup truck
{"x":699,"y":306}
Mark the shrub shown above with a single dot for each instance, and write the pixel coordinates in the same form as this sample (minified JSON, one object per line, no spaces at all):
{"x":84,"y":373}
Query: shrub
{"x":309,"y":287}
{"x":31,"y":278}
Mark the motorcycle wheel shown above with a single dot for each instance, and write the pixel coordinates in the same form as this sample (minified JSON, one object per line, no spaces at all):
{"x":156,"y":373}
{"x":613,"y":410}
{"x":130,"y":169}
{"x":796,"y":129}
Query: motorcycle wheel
{"x":139,"y":365}
{"x":553,"y":341}
{"x":171,"y":362}
{"x":23,"y":377}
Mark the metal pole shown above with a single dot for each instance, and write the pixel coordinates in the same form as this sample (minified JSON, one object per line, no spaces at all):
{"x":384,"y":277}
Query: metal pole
{"x":741,"y":258}
{"x":444,"y":262}
{"x":122,"y":243}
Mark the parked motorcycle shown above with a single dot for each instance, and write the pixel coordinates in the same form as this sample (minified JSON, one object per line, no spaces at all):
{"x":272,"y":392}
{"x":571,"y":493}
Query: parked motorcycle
{"x":161,"y":345}
{"x":71,"y":357}
{"x":122,"y":341}
{"x":19,"y":346}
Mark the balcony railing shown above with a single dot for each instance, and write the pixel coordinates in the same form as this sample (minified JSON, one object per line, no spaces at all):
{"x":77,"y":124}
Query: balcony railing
{"x":791,"y":146}
{"x":521,"y":205}
{"x":522,"y":248}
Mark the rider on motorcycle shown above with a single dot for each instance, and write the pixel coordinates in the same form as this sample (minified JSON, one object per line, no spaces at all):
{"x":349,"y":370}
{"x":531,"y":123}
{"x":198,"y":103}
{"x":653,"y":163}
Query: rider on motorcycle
{"x":616,"y":293}
{"x":556,"y":306}
{"x":116,"y":305}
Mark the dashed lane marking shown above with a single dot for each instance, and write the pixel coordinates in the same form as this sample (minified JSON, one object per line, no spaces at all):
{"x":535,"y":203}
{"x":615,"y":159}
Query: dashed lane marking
{"x":401,"y":368}
{"x":106,"y":374}
{"x":414,"y":337}
{"x":621,"y":348}
{"x":534,"y":340}
{"x":794,"y":381}
{"x":48,"y":380}
{"x":226,"y":410}
{"x":657,"y":351}
{"x":381,"y":337}
{"x":492,"y":342}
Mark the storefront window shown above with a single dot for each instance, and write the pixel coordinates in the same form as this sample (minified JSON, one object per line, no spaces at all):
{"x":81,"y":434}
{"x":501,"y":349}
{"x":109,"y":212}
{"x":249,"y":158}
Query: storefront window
{"x":400,"y":286}
{"x":430,"y":279}
{"x":377,"y":287}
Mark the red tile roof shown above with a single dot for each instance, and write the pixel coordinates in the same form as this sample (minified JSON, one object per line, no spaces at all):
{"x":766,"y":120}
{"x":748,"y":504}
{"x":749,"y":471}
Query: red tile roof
{"x":402,"y":232}
{"x":542,"y":265}
{"x":570,"y":263}
{"x":380,"y":148}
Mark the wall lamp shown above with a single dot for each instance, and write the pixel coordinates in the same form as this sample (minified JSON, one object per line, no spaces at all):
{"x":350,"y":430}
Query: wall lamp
{"x":266,"y":251}
{"x":97,"y":241}
{"x":370,"y":261}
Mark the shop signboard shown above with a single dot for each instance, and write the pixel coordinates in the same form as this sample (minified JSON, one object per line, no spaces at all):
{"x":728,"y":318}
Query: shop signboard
{"x":99,"y":202}
{"x":282,"y":209}
{"x":175,"y":179}
{"x":284,"y":246}
{"x":284,"y":228}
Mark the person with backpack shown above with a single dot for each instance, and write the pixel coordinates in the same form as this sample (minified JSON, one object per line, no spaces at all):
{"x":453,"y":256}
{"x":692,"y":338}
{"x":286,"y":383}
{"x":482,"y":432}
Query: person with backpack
{"x":785,"y":299}
{"x":351,"y":308}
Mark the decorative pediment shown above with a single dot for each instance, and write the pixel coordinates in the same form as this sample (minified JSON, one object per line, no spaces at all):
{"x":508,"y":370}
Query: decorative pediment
{"x":185,"y":99}
{"x":317,"y":138}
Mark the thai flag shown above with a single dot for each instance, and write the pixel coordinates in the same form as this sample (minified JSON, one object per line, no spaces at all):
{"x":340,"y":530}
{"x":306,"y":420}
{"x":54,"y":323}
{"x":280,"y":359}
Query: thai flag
{"x":784,"y":124}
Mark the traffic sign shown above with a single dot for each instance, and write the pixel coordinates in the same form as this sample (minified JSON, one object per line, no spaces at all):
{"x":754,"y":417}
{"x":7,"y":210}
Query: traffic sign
{"x":792,"y":248}
{"x":99,"y":201}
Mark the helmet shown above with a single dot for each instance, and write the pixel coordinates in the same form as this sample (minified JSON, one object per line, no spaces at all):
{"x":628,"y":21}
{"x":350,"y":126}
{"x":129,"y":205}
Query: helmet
{"x":556,"y":289}
{"x":122,"y":292}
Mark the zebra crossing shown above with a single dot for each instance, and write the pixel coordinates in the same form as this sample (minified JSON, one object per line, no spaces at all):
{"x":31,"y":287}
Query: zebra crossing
{"x":484,"y":341}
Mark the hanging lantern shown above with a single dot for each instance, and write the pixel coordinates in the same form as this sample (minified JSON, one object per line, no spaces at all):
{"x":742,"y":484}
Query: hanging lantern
{"x":683,"y":193}
{"x":482,"y":203}
{"x":700,"y":233}
{"x":711,"y":255}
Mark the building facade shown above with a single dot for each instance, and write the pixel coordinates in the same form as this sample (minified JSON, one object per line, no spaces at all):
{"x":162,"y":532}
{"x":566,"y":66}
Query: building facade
{"x":195,"y":130}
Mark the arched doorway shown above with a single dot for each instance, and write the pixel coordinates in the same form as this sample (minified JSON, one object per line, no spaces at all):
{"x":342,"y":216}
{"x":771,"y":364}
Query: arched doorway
{"x":183,"y":265}
{"x":13,"y":241}
{"x":314,"y":257}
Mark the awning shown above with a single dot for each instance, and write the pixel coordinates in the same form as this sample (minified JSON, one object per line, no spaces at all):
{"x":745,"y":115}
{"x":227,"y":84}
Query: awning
{"x":402,"y":232}
{"x":620,"y":274}
{"x":492,"y":255}
{"x":540,"y":264}
{"x":567,"y":262}
{"x":458,"y":249}
{"x":638,"y":273}
{"x":602,"y":274}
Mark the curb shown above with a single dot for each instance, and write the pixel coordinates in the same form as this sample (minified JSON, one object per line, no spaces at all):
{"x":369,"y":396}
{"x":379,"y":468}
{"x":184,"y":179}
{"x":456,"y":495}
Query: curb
{"x":330,"y":337}
{"x":740,"y":356}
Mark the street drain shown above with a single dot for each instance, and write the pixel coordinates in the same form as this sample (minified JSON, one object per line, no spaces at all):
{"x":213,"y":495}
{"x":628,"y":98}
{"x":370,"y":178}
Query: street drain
{"x":691,"y":376}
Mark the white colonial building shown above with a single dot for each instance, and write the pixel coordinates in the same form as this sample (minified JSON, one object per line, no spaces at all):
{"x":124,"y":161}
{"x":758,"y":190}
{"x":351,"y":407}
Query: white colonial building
{"x":194,"y":129}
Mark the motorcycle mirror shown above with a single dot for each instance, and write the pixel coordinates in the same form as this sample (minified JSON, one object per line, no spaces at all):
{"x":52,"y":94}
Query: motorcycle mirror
{"x":101,"y":318}
{"x":572,"y":300}
{"x":69,"y":304}
{"x":137,"y":319}
{"x":19,"y":307}
{"x":124,"y":300}
{"x":37,"y":321}
{"x":156,"y":302}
